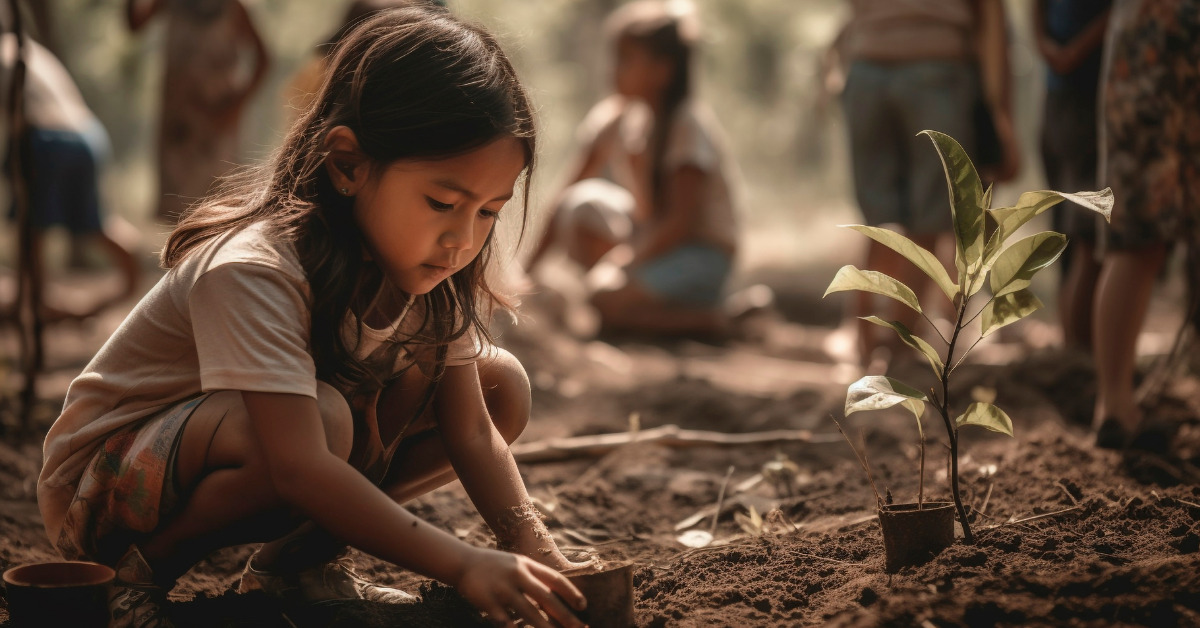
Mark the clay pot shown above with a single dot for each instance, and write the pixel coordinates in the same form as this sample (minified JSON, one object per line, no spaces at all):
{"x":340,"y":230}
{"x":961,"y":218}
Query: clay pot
{"x":71,"y":593}
{"x":609,"y":594}
{"x":912,"y":536}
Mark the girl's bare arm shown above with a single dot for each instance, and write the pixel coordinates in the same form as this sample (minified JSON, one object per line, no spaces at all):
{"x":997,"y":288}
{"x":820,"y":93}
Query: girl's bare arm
{"x":340,"y":499}
{"x":484,"y":464}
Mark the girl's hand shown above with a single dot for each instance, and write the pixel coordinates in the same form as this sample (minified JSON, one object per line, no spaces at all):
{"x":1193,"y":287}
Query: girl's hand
{"x":497,"y":582}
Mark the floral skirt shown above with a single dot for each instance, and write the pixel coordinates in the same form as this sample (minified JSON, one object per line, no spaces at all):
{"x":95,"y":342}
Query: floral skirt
{"x":1152,"y":124}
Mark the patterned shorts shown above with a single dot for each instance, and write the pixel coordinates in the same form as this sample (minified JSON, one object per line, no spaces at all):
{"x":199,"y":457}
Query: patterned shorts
{"x":128,"y":488}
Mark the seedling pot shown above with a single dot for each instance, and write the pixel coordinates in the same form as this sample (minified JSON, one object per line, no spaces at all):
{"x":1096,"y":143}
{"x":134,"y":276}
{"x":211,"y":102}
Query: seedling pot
{"x":609,"y":594}
{"x":70,"y":593}
{"x":912,"y":536}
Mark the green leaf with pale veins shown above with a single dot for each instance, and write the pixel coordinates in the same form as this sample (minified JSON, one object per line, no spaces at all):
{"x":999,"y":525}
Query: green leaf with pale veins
{"x":987,"y":416}
{"x":1009,"y":308}
{"x":916,"y":342}
{"x":851,"y":278}
{"x":967,"y":200}
{"x":876,"y":392}
{"x":1017,"y":264}
{"x":914,"y":253}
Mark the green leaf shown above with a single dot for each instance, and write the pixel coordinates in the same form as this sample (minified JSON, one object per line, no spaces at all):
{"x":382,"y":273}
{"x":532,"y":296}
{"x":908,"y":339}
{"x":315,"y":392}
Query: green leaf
{"x":876,"y":392}
{"x":1017,"y":264}
{"x":918,"y":255}
{"x":916,"y":342}
{"x":967,"y":202}
{"x":988,"y":416}
{"x":1030,"y":204}
{"x":851,"y":278}
{"x":1009,"y":308}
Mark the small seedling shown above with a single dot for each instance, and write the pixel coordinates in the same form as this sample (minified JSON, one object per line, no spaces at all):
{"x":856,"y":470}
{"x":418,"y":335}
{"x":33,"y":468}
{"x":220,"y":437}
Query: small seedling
{"x":982,"y":256}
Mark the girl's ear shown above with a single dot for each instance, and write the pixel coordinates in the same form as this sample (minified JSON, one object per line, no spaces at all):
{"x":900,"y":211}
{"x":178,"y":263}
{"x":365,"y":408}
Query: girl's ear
{"x":345,"y":162}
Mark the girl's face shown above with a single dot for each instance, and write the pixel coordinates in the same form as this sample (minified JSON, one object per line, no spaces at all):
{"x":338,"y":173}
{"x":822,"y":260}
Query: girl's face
{"x":425,"y":220}
{"x":640,"y":73}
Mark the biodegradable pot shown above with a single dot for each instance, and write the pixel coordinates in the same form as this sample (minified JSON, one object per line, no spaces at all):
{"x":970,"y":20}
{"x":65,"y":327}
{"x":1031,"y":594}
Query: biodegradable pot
{"x":609,"y":594}
{"x":912,"y":536}
{"x":70,"y":593}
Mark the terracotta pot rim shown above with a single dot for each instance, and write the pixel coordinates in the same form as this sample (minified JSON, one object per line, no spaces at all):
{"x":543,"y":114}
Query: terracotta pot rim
{"x":88,"y":574}
{"x":911,"y":507}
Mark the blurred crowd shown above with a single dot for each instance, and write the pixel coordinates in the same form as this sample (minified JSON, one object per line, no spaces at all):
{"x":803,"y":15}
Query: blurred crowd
{"x":644,"y":234}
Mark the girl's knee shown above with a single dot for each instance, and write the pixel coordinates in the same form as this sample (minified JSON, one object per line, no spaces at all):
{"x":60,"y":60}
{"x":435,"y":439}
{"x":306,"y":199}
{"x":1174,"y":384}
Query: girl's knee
{"x":337,"y":419}
{"x":506,"y":391}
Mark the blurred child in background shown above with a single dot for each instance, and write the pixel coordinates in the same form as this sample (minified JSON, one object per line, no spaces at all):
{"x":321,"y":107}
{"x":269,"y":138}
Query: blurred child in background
{"x":652,"y":191}
{"x":215,"y":60}
{"x":1070,"y":38}
{"x":66,"y":146}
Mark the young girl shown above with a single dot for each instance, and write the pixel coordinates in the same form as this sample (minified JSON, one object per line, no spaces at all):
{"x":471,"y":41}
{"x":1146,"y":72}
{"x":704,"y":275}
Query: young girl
{"x":318,"y":354}
{"x":666,"y":201}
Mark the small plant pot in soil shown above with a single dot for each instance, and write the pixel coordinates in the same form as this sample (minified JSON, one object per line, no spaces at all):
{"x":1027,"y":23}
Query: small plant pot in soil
{"x":609,"y":593}
{"x":70,"y":593}
{"x":912,"y":536}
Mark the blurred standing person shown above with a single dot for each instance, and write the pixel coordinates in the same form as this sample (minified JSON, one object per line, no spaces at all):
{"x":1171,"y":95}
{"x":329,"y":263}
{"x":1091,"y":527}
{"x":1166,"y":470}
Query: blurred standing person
{"x":65,"y":147}
{"x":916,"y":65}
{"x":1150,"y":156}
{"x":652,"y":192}
{"x":215,"y":60}
{"x":1070,"y":38}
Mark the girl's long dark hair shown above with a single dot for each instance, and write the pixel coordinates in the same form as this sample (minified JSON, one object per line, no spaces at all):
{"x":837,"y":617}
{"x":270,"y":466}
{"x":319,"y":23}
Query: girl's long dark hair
{"x":670,"y":36}
{"x":412,"y":84}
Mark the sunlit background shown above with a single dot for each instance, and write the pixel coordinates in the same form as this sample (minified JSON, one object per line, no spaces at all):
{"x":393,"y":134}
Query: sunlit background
{"x":760,"y":69}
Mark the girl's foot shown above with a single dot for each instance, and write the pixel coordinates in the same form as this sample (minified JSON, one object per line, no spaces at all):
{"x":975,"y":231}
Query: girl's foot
{"x":1153,"y":436}
{"x":1111,"y":434}
{"x":324,"y":582}
{"x":135,"y":599}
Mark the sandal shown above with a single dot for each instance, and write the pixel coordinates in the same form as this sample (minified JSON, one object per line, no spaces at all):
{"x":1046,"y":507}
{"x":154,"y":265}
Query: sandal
{"x":1111,"y":434}
{"x":1154,"y":436}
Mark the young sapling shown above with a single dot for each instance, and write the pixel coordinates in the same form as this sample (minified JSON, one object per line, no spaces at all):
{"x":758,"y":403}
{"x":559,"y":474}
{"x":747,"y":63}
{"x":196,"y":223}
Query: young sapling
{"x":983,"y":256}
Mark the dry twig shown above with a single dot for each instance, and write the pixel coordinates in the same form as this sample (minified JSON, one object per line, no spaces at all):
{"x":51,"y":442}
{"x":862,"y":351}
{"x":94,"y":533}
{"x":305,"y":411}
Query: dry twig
{"x":712,"y":530}
{"x":862,"y":460}
{"x":665,"y":435}
{"x":1041,"y":516}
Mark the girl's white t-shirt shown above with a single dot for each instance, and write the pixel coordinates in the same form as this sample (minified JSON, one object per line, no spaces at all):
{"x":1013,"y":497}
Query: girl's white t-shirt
{"x":233,"y":315}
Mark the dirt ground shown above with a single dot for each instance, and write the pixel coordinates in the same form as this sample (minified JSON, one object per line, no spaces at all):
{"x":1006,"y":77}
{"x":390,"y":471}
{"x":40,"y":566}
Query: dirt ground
{"x":1067,"y":534}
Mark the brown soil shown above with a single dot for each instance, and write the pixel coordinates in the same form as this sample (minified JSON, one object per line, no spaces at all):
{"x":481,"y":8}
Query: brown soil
{"x":1116,"y":541}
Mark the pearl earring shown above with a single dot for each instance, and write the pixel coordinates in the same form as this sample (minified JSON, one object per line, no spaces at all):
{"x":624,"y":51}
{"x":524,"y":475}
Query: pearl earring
{"x":345,"y":191}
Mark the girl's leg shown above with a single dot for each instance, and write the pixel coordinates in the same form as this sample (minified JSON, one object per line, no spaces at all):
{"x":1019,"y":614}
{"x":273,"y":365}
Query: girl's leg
{"x":1122,"y":296}
{"x":223,"y":478}
{"x":421,"y":464}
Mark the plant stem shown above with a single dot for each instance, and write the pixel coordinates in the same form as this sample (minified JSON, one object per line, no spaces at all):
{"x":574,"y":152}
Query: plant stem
{"x":951,"y":431}
{"x":921,"y":483}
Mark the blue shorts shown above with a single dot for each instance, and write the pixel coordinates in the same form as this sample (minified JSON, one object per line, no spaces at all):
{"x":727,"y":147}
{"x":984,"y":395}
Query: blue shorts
{"x":693,"y":274}
{"x":62,"y":170}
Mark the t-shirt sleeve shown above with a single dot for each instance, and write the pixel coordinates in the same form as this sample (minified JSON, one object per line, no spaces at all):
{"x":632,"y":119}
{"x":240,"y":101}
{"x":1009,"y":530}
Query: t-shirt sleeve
{"x":690,"y":145}
{"x":251,"y":325}
{"x":466,"y":349}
